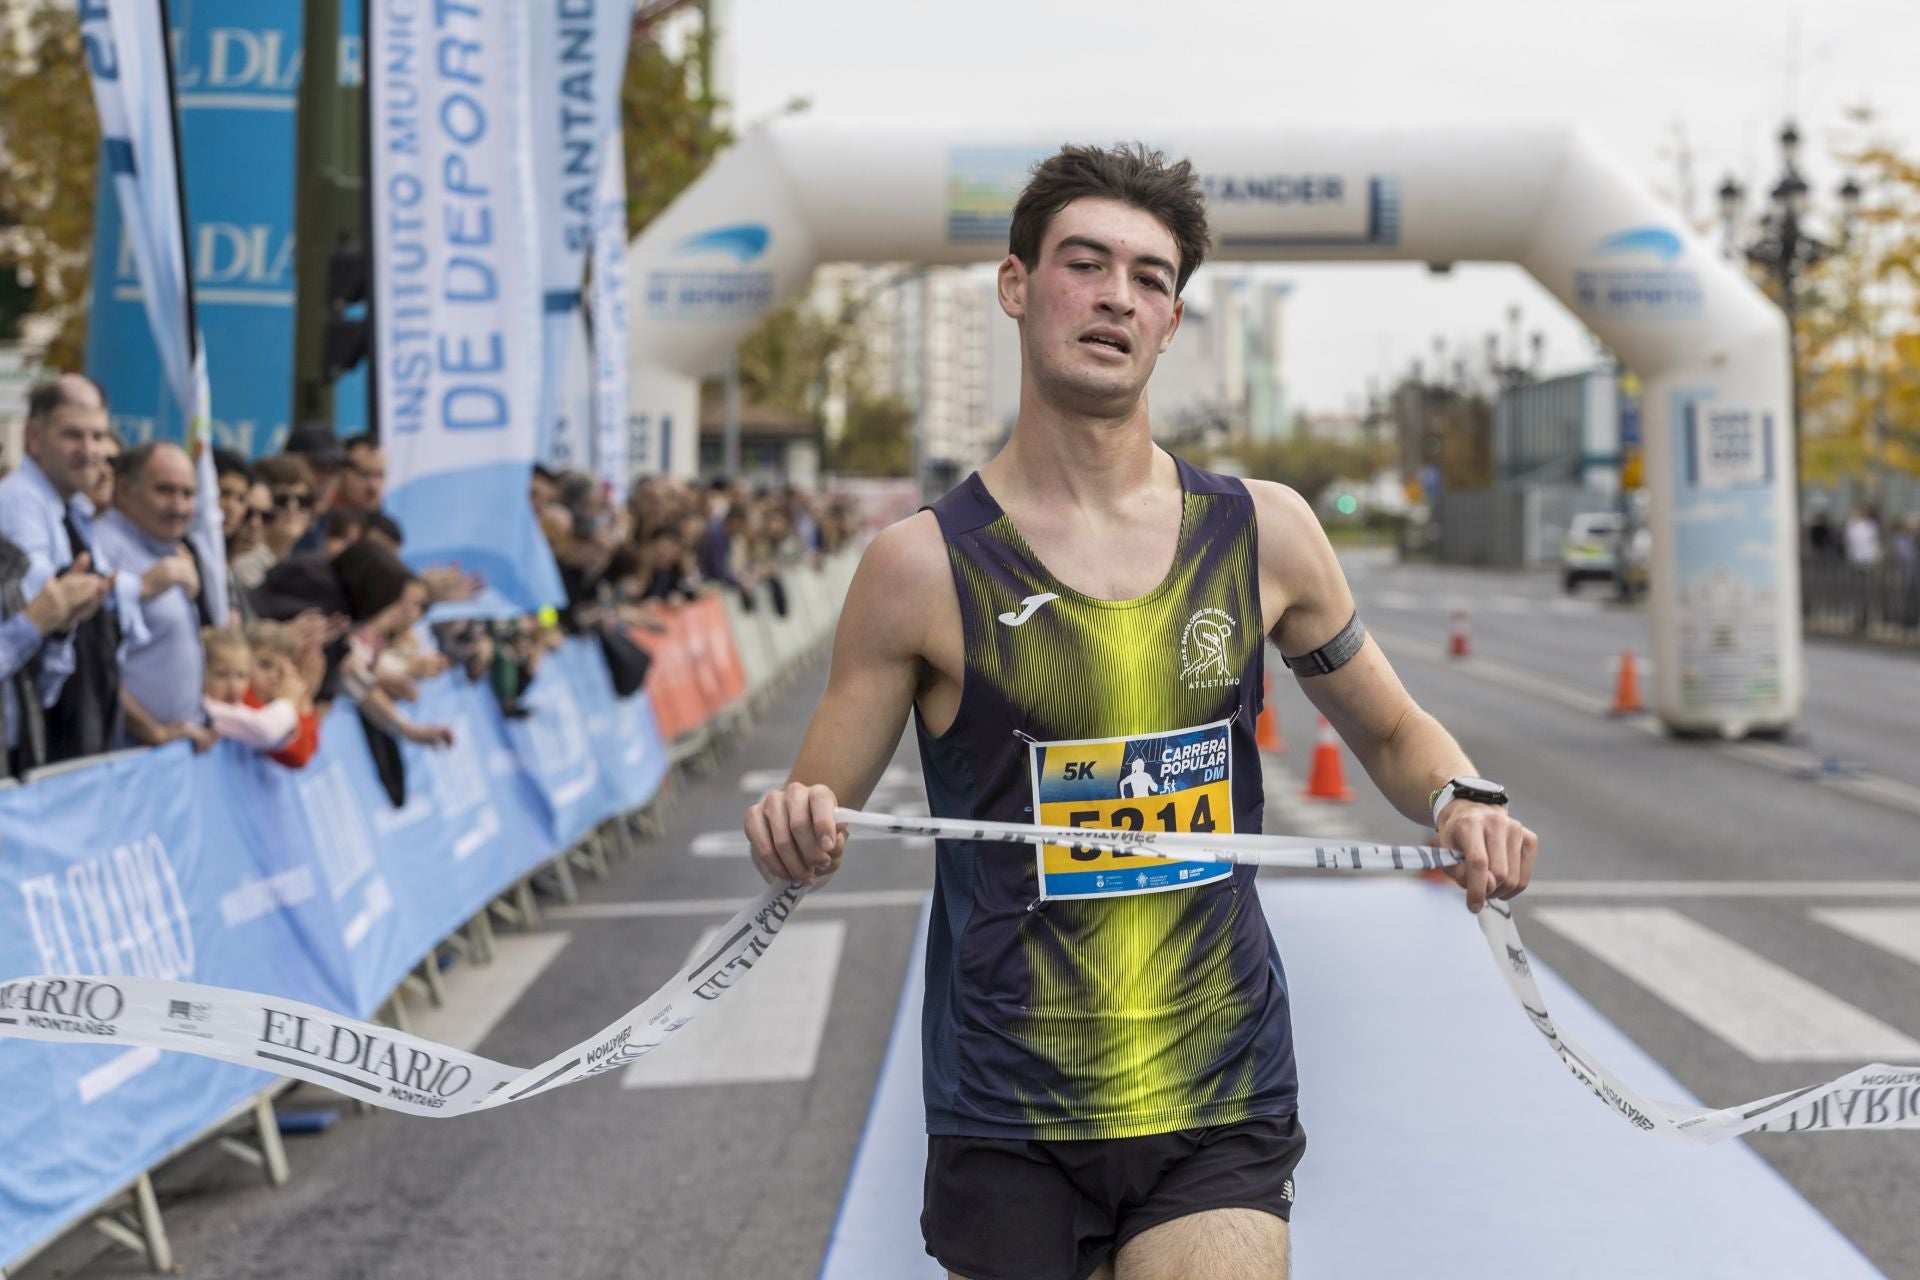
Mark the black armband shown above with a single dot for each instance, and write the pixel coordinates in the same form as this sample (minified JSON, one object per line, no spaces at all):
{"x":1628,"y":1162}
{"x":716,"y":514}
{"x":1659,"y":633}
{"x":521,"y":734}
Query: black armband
{"x":1331,"y":656}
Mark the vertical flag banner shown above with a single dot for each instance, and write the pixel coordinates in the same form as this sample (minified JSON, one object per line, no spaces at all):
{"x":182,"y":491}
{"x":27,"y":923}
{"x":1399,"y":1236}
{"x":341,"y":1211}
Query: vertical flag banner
{"x":236,"y":77}
{"x":127,"y":55}
{"x":350,"y":389}
{"x":457,"y":290}
{"x":610,"y":417}
{"x":571,"y":445}
{"x":133,"y":90}
{"x":579,"y":52}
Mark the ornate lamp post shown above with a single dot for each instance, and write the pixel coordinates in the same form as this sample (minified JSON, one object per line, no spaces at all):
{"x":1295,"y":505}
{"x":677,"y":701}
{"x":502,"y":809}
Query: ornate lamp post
{"x":1785,"y":250}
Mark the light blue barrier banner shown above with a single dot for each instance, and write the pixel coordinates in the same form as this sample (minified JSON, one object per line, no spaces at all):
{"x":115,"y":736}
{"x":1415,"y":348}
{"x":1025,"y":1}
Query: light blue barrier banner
{"x":556,"y":746}
{"x":633,"y":755}
{"x":237,"y":65}
{"x":230,"y":870}
{"x":111,"y":870}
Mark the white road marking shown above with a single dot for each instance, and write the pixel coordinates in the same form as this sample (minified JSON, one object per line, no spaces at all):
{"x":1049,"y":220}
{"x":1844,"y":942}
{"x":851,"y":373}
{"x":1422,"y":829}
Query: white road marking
{"x":1286,"y":811}
{"x":1893,"y":929}
{"x":1722,"y":889}
{"x":1767,"y":1012}
{"x":1770,"y":755}
{"x":479,"y":996}
{"x":896,"y":776}
{"x":827,"y":899}
{"x":769,"y":1027}
{"x":719,"y":844}
{"x":733,"y":844}
{"x":1502,"y":674}
{"x":116,"y":1071}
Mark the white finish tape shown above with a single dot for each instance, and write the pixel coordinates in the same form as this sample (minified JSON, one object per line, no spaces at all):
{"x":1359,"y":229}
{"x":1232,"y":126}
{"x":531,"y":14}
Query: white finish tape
{"x":401,"y":1072}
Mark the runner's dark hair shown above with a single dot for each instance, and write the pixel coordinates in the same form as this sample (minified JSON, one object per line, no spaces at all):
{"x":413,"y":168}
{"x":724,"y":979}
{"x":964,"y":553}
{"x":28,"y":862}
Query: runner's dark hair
{"x":1131,"y":173}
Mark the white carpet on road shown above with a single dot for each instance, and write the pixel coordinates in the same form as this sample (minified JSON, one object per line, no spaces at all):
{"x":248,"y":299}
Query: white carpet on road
{"x":1444,"y":1139}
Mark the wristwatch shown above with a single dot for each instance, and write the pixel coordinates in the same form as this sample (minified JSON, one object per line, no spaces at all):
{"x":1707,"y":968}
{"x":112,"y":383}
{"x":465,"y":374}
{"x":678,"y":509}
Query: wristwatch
{"x":1479,"y":790}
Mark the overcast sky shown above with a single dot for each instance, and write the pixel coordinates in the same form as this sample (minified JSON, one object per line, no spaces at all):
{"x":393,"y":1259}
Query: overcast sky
{"x":1725,"y":71}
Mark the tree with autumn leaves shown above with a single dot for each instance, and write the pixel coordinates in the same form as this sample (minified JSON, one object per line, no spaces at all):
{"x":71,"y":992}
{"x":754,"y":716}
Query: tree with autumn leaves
{"x":1858,"y":331}
{"x":49,"y":162}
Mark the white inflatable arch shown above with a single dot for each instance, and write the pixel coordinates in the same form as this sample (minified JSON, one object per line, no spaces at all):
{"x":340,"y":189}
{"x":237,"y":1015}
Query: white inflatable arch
{"x":1710,"y":350}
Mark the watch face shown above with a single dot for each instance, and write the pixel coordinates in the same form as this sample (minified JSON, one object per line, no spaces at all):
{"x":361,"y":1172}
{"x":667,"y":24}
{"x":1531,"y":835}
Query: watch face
{"x":1479,"y":784}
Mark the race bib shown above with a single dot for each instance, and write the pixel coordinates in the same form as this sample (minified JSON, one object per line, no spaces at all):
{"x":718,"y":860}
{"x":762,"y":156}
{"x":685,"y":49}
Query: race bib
{"x":1179,"y":781}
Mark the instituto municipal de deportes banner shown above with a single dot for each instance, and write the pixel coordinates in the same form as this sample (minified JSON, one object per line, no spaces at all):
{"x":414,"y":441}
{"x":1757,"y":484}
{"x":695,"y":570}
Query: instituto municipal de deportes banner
{"x":457,"y":290}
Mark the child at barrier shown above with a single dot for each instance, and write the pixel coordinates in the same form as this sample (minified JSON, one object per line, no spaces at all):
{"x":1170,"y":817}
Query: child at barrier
{"x":286,"y":670}
{"x":259,"y":691}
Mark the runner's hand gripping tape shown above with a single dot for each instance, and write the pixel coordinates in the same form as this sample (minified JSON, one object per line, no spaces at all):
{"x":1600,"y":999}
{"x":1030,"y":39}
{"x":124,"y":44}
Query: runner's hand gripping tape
{"x":402,"y":1072}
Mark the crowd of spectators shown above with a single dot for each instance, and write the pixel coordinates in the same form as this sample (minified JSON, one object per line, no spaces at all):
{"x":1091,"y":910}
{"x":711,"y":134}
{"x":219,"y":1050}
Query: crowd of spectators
{"x":1866,"y":540}
{"x":136,"y":610}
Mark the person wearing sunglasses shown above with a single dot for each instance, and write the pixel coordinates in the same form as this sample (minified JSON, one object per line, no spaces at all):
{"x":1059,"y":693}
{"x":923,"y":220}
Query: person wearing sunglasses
{"x":248,"y":555}
{"x":291,"y":490}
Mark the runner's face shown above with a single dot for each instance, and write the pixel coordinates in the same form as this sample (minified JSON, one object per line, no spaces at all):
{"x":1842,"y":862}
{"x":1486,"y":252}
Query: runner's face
{"x":1098,"y":307}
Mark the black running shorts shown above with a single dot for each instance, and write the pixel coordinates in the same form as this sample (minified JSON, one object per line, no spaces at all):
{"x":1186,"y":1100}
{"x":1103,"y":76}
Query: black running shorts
{"x":1000,"y":1209}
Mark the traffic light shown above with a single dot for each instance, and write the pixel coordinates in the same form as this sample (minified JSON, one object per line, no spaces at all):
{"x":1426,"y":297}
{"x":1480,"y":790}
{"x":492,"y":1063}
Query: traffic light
{"x":344,"y":340}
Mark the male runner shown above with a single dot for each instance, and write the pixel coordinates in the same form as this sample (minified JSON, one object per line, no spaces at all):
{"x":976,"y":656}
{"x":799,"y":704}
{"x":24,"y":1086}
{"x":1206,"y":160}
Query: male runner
{"x":1109,"y":1071}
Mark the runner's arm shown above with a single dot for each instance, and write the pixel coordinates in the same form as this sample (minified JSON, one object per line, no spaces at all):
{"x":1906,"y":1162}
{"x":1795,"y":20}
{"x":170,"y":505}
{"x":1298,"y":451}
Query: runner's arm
{"x":1406,"y":752}
{"x":876,"y":670}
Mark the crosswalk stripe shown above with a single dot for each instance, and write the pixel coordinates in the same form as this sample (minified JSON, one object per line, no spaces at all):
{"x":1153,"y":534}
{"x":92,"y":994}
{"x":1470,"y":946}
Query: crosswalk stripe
{"x":1794,"y":889}
{"x":1767,"y":1012}
{"x":719,"y":844}
{"x":478,"y":998}
{"x":896,"y":776}
{"x":733,"y":844}
{"x":830,"y":900}
{"x":1894,"y":929}
{"x":768,"y":1029}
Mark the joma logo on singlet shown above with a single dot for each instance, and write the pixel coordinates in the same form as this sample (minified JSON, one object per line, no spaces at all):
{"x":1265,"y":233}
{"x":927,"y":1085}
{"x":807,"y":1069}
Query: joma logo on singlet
{"x":1204,"y":660}
{"x":1028,"y":607}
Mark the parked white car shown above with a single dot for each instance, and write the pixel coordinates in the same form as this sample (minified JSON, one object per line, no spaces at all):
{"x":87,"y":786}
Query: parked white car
{"x":1591,"y":548}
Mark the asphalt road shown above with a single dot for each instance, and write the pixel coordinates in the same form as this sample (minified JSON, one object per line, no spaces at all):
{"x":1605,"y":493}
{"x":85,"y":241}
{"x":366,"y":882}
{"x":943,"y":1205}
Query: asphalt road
{"x":744,"y":1177}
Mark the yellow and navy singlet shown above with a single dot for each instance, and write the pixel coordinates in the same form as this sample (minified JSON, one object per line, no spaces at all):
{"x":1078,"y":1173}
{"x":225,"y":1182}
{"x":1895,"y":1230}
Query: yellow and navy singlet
{"x":1074,"y":994}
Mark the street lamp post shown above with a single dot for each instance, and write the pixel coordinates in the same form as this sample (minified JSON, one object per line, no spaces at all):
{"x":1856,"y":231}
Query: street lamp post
{"x":1785,"y":250}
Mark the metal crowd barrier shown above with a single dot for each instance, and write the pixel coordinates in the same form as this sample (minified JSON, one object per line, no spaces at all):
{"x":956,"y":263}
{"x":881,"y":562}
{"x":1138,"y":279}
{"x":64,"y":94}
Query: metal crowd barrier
{"x":1878,"y":603}
{"x":772,"y":651}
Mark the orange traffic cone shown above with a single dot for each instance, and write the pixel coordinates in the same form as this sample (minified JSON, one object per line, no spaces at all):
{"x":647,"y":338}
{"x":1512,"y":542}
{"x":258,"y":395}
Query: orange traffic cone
{"x":1626,"y":690}
{"x":1327,"y":781}
{"x":1266,"y":728}
{"x":1460,"y":635}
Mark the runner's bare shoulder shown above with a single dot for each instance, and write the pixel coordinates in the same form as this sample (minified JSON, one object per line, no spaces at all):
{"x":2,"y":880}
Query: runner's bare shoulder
{"x":903,"y":589}
{"x":1297,"y":563}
